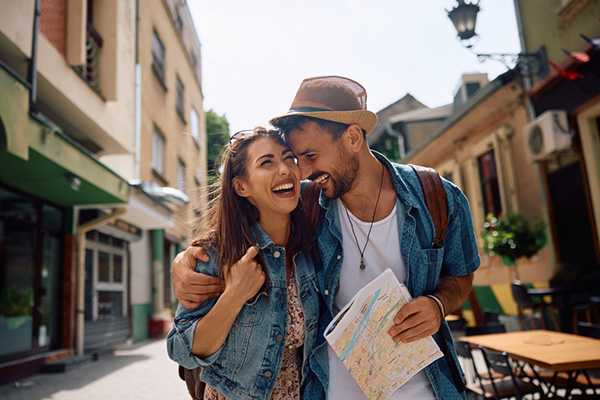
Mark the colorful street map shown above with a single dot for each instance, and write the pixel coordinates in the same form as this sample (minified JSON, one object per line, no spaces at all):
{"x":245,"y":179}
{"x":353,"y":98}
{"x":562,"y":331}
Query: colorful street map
{"x":359,"y":336}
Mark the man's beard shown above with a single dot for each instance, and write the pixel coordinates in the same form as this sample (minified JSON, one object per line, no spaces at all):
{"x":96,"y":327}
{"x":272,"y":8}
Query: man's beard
{"x":344,"y":175}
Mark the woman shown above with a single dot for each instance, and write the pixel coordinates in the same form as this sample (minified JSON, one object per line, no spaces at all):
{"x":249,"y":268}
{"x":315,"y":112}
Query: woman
{"x":258,"y":339}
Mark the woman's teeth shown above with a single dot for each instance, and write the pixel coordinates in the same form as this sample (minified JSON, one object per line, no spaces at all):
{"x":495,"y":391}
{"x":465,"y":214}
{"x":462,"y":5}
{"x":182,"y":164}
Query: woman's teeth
{"x":285,"y":186}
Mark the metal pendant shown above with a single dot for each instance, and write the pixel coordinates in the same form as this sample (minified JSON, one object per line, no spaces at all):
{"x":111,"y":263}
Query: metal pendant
{"x":362,"y":263}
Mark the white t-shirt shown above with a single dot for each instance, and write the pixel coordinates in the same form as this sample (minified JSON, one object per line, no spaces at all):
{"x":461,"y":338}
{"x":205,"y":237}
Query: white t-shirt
{"x":382,"y":251}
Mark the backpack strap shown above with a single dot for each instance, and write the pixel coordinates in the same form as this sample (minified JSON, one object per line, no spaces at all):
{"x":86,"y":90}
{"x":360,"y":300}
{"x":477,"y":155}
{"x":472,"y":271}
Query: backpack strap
{"x":435,"y":198}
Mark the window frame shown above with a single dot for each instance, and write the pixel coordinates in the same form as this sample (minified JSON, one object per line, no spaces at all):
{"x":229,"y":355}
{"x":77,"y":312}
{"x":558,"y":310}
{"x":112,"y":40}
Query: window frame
{"x":180,"y":98}
{"x":180,"y":174}
{"x":158,"y":60}
{"x":158,"y":163}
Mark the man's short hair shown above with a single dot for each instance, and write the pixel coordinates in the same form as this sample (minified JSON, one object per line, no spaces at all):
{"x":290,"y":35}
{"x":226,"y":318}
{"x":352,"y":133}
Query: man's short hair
{"x":295,"y":122}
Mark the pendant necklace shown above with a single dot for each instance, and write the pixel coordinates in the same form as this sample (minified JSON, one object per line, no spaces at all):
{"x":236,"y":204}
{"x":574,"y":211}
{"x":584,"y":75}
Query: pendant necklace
{"x":362,"y":252}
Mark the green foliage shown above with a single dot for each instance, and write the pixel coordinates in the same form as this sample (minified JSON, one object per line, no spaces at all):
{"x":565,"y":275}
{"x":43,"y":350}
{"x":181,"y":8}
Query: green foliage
{"x":511,"y":237}
{"x":16,"y":302}
{"x":217,"y":131}
{"x":388,"y":146}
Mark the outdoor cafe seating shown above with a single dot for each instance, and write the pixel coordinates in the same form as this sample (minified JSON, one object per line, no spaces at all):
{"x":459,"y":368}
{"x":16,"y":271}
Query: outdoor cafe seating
{"x":540,"y":363}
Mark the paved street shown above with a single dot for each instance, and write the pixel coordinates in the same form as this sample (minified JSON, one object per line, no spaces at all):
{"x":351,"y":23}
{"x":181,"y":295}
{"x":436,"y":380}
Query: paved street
{"x":141,"y":371}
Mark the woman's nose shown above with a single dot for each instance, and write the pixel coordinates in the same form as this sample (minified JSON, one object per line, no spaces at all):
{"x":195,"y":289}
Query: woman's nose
{"x":284,"y":169}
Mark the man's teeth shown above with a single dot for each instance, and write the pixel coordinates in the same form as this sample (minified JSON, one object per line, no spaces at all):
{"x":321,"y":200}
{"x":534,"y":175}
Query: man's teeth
{"x":322,"y":178}
{"x":284,"y":186}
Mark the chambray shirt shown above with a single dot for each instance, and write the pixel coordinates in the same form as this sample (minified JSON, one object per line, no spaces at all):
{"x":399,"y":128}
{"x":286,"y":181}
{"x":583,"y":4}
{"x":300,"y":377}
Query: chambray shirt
{"x":248,"y":363}
{"x":424,"y":265}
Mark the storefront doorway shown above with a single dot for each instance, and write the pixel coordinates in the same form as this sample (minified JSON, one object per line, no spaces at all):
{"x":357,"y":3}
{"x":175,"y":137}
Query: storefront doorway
{"x":31,"y":243}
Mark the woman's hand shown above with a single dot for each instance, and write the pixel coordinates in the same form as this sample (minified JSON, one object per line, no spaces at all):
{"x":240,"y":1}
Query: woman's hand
{"x":245,"y":277}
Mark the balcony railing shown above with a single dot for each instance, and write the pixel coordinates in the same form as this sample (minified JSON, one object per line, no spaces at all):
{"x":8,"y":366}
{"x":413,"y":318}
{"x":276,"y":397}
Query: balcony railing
{"x":90,"y":72}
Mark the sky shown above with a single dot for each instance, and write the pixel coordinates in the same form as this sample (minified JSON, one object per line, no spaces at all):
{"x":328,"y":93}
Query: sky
{"x":256,"y":53}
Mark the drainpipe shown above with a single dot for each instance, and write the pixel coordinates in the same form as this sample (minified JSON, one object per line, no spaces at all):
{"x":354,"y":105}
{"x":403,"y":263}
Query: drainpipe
{"x":32,"y":72}
{"x":81,"y":231}
{"x":138,"y":97}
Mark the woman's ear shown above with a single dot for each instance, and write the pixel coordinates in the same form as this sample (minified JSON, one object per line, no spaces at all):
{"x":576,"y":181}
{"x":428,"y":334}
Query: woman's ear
{"x":240,"y":187}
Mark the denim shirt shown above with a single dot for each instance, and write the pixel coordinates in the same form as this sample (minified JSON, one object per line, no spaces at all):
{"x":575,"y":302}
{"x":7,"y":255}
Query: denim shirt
{"x":248,"y":363}
{"x":424,"y":265}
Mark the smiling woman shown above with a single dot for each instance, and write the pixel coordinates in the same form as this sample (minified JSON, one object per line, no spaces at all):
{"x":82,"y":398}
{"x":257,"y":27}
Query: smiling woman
{"x":247,"y":343}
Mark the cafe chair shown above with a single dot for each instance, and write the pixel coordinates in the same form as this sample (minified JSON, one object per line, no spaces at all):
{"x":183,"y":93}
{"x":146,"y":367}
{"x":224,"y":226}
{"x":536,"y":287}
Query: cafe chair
{"x":587,"y":308}
{"x":485,"y":329}
{"x":526,"y":302}
{"x":510,"y":385}
{"x":589,"y":329}
{"x":476,"y":382}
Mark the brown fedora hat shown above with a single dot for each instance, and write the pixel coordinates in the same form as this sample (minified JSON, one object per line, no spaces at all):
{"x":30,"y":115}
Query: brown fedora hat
{"x":332,"y":98}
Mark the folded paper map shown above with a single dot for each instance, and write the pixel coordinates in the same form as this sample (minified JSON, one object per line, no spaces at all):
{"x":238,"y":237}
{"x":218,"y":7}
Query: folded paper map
{"x":359,"y":336}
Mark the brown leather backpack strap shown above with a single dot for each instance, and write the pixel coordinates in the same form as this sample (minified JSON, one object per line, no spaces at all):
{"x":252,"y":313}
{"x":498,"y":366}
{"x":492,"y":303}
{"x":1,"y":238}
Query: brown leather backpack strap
{"x":192,"y":380}
{"x":310,"y":202}
{"x":435,"y":198}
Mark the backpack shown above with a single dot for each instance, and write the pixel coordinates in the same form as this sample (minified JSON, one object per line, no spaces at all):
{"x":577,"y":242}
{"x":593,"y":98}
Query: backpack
{"x":435,"y":198}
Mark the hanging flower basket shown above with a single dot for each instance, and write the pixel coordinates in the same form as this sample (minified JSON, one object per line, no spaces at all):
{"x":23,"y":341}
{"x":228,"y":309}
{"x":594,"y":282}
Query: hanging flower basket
{"x":511,"y":237}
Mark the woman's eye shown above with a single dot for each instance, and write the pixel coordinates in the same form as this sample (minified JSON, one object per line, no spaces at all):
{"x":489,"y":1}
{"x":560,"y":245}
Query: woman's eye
{"x":265,"y":162}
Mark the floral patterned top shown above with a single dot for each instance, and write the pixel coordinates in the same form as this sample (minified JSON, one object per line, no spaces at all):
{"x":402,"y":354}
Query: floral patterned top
{"x":287,"y":385}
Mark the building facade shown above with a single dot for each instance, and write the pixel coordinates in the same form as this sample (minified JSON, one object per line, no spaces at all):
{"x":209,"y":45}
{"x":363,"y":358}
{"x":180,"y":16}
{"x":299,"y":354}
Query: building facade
{"x":90,"y":214}
{"x":570,"y":94}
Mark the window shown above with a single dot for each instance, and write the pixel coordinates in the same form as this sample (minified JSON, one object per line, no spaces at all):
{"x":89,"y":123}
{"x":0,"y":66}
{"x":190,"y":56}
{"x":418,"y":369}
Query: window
{"x":158,"y":57}
{"x":177,"y":17}
{"x":472,"y":88}
{"x":194,"y":127}
{"x":179,"y":101}
{"x":489,"y":183}
{"x":181,"y":175}
{"x":158,"y":148}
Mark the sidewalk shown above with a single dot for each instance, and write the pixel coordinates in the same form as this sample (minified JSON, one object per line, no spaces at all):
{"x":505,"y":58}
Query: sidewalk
{"x":141,"y":371}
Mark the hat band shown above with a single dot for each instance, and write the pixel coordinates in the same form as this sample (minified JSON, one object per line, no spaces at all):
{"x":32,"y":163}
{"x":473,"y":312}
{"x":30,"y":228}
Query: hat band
{"x":307,"y":109}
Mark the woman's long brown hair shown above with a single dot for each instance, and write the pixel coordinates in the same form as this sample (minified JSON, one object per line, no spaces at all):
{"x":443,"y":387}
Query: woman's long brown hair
{"x":231,"y":216}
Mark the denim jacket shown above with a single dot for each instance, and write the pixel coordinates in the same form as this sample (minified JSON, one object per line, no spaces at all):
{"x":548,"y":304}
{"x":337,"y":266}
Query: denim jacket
{"x":424,"y":265}
{"x":248,"y":363}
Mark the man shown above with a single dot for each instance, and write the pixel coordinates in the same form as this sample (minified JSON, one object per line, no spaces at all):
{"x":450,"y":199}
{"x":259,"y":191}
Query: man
{"x":373,"y":217}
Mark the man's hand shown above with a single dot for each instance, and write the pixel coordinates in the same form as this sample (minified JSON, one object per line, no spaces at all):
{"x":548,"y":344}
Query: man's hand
{"x":422,"y":317}
{"x":192,"y":288}
{"x":416,"y":320}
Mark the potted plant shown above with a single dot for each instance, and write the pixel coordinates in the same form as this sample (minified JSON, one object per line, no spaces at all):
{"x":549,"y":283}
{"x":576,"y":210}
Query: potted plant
{"x":511,"y":237}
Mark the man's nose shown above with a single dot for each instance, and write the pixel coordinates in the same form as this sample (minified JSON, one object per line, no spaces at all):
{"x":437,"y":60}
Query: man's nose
{"x":305,"y":169}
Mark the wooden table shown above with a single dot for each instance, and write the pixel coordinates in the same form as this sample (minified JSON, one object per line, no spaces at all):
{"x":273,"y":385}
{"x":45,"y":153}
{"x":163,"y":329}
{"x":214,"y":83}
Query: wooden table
{"x":554,"y":351}
{"x":550,"y":350}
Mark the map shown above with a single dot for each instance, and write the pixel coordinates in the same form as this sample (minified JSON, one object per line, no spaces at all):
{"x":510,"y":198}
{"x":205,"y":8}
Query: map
{"x":359,"y":336}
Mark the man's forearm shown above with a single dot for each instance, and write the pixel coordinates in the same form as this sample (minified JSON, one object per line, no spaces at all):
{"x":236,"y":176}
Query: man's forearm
{"x":453,"y":291}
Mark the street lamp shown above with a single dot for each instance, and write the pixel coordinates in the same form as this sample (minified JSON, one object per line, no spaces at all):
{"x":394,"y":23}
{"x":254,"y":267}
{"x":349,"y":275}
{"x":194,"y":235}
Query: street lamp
{"x":464,"y":18}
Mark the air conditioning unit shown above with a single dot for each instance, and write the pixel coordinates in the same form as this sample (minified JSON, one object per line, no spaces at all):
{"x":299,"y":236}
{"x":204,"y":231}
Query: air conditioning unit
{"x":547,"y":135}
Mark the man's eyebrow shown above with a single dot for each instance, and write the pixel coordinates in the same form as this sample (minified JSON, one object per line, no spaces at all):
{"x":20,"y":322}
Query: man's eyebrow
{"x":305,"y":152}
